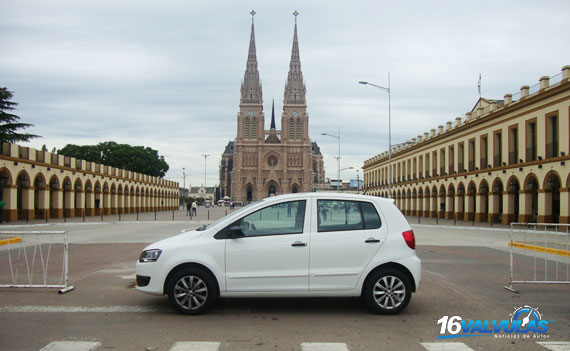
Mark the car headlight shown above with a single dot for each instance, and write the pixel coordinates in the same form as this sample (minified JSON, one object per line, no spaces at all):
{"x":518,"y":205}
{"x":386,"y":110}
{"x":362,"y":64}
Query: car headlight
{"x":150,"y":255}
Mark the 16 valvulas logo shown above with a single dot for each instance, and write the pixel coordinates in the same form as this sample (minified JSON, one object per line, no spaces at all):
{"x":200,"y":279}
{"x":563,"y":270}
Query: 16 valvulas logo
{"x":524,"y":320}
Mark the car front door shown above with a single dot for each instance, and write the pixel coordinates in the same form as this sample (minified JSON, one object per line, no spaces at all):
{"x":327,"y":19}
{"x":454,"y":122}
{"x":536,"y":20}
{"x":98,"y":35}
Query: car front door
{"x":267,"y":250}
{"x":345,"y":237}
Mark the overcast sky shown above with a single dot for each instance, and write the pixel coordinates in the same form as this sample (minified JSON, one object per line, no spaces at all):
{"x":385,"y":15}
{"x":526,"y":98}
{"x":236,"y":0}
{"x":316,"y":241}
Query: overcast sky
{"x":167,"y":74}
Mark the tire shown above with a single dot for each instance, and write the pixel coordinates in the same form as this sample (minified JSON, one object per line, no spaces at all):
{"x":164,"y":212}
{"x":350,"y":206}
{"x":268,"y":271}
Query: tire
{"x":191,"y":291}
{"x":387,"y":291}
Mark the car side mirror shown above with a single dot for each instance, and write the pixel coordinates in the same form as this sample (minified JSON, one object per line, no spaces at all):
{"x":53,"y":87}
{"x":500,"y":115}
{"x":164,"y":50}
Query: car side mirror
{"x":235,"y":232}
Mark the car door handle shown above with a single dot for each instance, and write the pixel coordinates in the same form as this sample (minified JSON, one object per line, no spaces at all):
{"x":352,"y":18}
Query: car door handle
{"x":298,"y":243}
{"x":371,"y":240}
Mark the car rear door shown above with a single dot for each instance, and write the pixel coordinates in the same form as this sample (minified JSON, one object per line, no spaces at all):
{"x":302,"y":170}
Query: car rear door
{"x":345,"y":235}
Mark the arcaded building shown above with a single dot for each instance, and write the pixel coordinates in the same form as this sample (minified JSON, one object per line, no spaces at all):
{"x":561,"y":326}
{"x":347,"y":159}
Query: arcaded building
{"x":259,"y":162}
{"x":506,"y":161}
{"x":40,"y":185}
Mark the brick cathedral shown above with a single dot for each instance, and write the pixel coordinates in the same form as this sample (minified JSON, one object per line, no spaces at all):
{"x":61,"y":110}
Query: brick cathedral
{"x":259,"y":162}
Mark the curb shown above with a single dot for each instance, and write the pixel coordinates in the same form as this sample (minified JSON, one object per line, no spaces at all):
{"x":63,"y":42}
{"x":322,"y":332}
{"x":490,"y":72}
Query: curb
{"x":458,"y":227}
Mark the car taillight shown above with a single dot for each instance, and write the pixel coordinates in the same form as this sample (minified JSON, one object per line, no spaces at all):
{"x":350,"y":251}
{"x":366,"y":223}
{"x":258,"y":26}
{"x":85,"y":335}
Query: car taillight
{"x":410,"y":239}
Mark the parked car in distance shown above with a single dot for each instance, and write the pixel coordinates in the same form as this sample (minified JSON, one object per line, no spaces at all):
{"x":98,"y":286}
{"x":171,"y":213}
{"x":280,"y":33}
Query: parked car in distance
{"x":296,"y":245}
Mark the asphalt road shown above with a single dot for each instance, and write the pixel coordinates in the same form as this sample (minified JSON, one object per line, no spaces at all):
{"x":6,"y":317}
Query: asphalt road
{"x":464,"y":271}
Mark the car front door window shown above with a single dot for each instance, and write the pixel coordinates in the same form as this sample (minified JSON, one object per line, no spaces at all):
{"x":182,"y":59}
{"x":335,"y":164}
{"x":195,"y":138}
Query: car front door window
{"x":283,"y":218}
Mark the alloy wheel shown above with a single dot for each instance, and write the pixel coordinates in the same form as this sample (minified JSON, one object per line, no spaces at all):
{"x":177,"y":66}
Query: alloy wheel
{"x":190,"y":292}
{"x":389,"y":292}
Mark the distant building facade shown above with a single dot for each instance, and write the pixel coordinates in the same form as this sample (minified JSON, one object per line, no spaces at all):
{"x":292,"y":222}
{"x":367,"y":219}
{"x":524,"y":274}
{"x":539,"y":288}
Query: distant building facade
{"x":506,"y":162}
{"x":206,"y":193}
{"x":40,"y":185}
{"x":262,"y":163}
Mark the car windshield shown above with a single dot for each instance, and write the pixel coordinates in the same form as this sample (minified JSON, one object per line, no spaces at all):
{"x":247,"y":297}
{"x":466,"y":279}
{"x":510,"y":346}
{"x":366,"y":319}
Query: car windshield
{"x":211,"y":225}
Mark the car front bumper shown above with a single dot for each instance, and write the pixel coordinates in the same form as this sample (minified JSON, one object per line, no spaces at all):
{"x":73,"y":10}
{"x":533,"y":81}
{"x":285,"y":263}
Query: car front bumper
{"x":153,"y":275}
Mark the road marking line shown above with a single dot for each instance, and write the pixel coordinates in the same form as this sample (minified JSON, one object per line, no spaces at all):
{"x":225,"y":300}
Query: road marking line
{"x":194,"y":223}
{"x":71,"y":346}
{"x":555,"y":345}
{"x":323,"y":346}
{"x":446,"y":346}
{"x":195,"y":346}
{"x":80,"y":309}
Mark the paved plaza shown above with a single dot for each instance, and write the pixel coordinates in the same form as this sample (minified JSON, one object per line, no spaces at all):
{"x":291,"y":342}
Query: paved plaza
{"x":464,"y":271}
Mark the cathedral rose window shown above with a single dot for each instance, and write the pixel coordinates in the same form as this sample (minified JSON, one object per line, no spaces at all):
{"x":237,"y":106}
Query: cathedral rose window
{"x":272,"y":161}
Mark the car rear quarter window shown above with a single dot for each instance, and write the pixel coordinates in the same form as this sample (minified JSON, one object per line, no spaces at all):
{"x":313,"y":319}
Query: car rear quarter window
{"x":370,"y":215}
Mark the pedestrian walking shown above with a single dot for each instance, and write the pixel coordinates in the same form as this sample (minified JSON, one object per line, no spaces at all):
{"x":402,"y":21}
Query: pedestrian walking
{"x":188,"y":209}
{"x":194,"y":208}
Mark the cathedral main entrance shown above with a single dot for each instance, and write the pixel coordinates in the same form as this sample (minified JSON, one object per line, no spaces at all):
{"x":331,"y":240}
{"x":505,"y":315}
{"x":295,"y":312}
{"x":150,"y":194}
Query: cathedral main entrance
{"x":272,"y":190}
{"x":249,"y":196}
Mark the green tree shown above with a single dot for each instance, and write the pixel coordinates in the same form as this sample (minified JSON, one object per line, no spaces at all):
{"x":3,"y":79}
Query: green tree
{"x":139,"y":159}
{"x":9,"y":122}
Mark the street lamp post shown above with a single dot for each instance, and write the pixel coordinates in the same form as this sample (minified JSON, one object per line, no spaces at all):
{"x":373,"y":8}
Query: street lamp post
{"x":337,"y":158}
{"x":184,"y":175}
{"x":205,"y":157}
{"x":389,"y":130}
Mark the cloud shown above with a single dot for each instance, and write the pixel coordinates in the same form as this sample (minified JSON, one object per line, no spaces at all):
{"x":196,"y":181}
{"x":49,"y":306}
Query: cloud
{"x":168,"y":76}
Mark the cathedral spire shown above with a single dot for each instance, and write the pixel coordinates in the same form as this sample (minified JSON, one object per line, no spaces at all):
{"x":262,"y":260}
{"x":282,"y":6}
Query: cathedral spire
{"x":252,"y":56}
{"x":295,"y":87}
{"x":273,"y":115}
{"x":251,"y":85}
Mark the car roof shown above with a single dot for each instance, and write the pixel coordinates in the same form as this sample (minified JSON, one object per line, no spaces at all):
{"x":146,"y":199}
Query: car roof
{"x":328,"y":195}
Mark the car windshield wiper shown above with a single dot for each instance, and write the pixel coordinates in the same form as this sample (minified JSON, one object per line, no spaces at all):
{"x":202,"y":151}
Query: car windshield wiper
{"x":202,"y":228}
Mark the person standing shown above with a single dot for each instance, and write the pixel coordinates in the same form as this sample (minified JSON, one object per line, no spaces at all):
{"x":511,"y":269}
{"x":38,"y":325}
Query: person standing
{"x":188,"y":208}
{"x":2,"y":204}
{"x":194,"y":208}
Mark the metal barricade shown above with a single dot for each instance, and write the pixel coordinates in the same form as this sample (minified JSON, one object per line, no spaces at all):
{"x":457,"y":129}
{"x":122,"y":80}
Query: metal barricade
{"x":37,"y":259}
{"x":539,"y":254}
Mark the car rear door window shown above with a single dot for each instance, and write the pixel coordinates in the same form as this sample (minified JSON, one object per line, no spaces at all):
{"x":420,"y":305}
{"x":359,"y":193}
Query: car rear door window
{"x":339,"y":215}
{"x":342,"y":215}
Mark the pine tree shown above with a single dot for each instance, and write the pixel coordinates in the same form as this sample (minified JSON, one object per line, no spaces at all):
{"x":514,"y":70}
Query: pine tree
{"x":9,"y":123}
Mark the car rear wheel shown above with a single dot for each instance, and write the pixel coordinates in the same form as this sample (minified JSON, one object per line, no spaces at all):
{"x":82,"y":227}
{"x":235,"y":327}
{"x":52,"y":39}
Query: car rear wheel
{"x":387,"y":291}
{"x":191,"y":291}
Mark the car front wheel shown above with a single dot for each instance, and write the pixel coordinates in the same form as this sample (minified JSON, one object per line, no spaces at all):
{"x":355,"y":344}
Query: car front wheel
{"x":387,"y":291}
{"x":191,"y":291}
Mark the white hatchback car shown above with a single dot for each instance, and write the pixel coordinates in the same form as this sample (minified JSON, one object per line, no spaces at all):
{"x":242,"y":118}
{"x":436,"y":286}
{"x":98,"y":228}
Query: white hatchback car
{"x":297,"y":245}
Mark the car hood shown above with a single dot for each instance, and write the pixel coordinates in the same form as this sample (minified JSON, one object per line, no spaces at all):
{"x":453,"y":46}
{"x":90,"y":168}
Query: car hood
{"x":176,"y":240}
